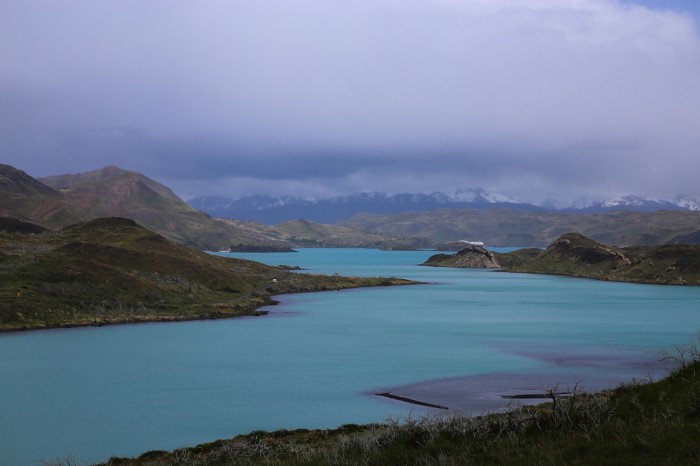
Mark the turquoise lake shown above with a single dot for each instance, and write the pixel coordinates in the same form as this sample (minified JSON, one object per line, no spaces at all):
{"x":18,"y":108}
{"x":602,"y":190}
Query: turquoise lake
{"x":318,"y":359}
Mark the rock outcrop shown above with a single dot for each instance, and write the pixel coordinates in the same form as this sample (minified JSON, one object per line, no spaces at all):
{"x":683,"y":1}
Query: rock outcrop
{"x":475,"y":257}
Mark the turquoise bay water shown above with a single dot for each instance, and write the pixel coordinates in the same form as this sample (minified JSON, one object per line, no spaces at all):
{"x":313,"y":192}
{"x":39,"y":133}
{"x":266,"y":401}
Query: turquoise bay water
{"x":316,"y":360}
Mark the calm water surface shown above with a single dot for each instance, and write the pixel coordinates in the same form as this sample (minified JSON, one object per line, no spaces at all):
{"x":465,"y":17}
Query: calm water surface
{"x":315,"y":361}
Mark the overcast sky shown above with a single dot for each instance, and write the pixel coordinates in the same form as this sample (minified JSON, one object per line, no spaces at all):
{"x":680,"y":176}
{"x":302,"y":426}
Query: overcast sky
{"x":536,"y":99}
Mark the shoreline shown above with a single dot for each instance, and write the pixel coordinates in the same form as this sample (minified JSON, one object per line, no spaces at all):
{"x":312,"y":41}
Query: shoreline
{"x":567,"y":275}
{"x":159,"y":320}
{"x":585,"y":277}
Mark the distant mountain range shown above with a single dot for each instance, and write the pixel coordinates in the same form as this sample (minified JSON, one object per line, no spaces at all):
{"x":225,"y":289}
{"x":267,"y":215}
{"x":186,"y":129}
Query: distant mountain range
{"x":636,"y":204}
{"x":57,"y":201}
{"x":272,"y":210}
{"x":505,"y":227}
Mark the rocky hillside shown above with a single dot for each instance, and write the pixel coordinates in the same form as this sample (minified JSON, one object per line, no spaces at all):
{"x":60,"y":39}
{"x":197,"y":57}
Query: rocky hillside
{"x":471,"y":257}
{"x":575,"y":255}
{"x":112,"y":270}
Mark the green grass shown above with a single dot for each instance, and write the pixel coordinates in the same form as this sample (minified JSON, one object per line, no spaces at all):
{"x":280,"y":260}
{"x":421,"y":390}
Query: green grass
{"x":636,"y":423}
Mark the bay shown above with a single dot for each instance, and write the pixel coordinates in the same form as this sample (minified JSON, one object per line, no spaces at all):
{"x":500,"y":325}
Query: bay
{"x":317,"y":359}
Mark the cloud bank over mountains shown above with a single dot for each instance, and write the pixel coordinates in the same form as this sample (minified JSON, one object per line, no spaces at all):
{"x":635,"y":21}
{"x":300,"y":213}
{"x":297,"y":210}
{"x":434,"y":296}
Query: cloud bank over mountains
{"x":535,"y":99}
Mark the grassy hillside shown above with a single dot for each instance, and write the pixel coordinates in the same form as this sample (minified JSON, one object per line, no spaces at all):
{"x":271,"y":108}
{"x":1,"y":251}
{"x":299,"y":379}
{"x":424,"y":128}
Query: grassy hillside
{"x":636,"y":424}
{"x":113,"y":270}
{"x":503,"y":227}
{"x":575,"y":254}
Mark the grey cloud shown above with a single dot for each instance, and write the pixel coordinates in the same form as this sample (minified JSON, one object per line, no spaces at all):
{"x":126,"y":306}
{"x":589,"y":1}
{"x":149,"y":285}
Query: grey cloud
{"x":533,"y":97}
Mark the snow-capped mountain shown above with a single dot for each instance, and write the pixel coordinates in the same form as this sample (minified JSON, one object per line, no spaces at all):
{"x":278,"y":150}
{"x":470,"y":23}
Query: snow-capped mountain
{"x":481,"y":195}
{"x":272,"y":210}
{"x":637,"y":204}
{"x":687,"y":203}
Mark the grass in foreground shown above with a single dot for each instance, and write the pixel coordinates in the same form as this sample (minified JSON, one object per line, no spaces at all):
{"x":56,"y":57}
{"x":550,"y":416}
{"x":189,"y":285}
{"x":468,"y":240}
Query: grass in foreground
{"x":636,"y":423}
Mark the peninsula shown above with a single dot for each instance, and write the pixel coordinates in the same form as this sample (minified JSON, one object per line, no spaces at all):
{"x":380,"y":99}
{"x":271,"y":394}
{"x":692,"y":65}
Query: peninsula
{"x":573,"y":254}
{"x":113,"y":270}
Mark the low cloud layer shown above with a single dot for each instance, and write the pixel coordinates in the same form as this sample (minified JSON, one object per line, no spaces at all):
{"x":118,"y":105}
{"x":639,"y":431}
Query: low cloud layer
{"x":533,"y":98}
